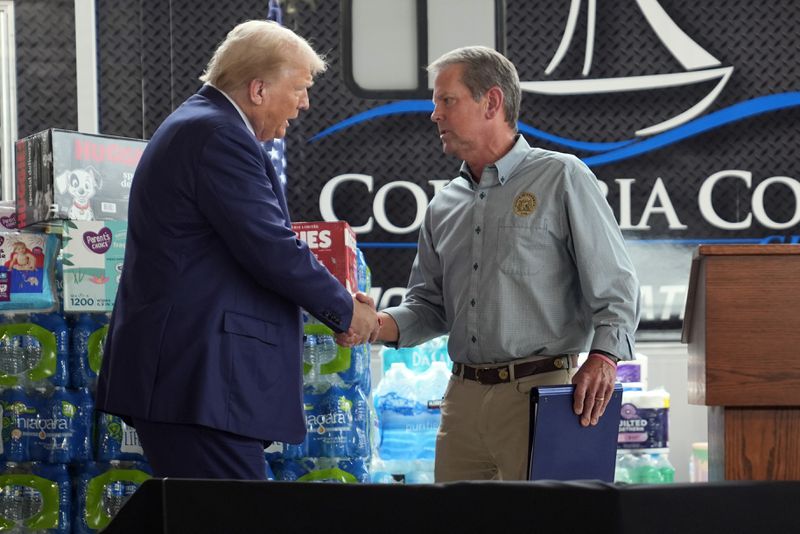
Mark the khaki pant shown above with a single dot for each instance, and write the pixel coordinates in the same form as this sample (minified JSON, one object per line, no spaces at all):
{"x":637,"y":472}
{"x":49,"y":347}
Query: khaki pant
{"x":484,"y":429}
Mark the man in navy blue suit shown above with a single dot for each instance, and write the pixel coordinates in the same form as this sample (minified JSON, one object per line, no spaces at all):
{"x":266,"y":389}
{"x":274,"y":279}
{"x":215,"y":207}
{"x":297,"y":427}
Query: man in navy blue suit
{"x":204,"y":350}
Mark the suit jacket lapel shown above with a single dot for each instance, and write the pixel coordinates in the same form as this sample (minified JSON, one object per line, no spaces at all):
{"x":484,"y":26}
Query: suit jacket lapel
{"x":217,"y":97}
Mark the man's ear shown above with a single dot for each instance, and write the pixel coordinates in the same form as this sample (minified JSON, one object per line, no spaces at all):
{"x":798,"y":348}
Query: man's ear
{"x":494,"y":102}
{"x":257,"y":91}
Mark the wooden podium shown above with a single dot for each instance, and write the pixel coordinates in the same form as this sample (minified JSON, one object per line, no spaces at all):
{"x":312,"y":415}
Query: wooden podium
{"x":742,"y":324}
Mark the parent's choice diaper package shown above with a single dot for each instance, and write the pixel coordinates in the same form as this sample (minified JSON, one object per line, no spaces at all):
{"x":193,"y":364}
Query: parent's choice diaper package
{"x":27,"y":265}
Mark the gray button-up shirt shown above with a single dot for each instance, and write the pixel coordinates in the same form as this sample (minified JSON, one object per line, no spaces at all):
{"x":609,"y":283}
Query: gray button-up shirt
{"x":530,"y":261}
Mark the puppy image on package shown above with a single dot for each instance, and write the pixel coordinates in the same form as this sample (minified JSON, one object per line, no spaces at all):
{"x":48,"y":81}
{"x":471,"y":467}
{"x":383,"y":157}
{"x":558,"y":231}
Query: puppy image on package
{"x":80,"y":185}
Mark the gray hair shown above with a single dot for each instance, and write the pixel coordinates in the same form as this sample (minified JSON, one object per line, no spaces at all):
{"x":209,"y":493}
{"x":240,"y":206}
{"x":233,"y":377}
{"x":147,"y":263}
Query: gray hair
{"x":485,"y":68}
{"x":255,"y":49}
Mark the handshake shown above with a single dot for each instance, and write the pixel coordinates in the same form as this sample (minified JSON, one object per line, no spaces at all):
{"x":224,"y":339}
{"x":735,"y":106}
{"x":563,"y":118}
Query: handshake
{"x":365,"y":325}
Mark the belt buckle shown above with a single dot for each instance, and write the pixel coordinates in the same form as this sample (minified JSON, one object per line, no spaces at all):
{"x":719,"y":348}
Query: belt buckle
{"x":478,"y":374}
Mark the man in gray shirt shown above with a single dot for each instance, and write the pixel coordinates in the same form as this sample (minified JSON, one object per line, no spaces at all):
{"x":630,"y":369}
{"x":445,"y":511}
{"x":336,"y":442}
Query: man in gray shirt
{"x":522,"y":263}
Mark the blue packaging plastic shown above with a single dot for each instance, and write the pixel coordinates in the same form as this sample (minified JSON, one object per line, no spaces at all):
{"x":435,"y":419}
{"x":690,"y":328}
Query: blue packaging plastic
{"x":331,"y":470}
{"x":31,"y":355}
{"x":20,"y":412}
{"x":407,"y":423}
{"x":58,"y":426}
{"x":86,"y":349}
{"x":338,"y":423}
{"x":34,"y":498}
{"x":116,"y":440}
{"x":60,"y":475}
{"x":84,"y":439}
{"x":358,"y":372}
{"x":55,"y":323}
{"x":363,"y":274}
{"x":101,"y":490}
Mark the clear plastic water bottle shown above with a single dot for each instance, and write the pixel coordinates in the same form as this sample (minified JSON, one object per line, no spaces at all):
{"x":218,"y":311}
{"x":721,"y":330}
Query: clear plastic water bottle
{"x":664,"y":467}
{"x":84,"y":428}
{"x":431,"y":385}
{"x":56,"y":440}
{"x":32,"y":502}
{"x":327,"y":352}
{"x":55,"y":324}
{"x":60,"y":475}
{"x":645,"y":471}
{"x":698,"y":462}
{"x":18,"y":410}
{"x":30,"y":351}
{"x":14,"y":502}
{"x":622,"y":469}
{"x":397,"y":408}
{"x":113,"y":497}
{"x":310,"y":358}
{"x":80,"y":373}
{"x":11,"y":357}
{"x":421,"y":472}
{"x":363,"y":274}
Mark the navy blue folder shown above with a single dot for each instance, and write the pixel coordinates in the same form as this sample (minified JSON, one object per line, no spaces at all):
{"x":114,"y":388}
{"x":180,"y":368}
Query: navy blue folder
{"x":562,"y":449}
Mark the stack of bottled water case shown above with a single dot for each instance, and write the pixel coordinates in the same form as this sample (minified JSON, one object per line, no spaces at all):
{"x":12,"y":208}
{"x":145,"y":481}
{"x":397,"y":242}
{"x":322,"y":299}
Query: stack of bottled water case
{"x":59,"y":471}
{"x":336,"y":386}
{"x":643,"y":442}
{"x":407,"y":402}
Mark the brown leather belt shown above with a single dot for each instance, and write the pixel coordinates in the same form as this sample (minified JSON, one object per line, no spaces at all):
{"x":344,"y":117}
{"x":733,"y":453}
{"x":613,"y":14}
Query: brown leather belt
{"x":502,"y":374}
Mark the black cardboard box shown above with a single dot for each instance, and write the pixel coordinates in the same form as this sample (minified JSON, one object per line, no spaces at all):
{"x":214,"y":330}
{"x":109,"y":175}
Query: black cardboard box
{"x":70,"y":175}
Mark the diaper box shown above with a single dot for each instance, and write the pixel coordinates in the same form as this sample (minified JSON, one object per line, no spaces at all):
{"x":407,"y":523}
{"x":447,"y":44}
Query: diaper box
{"x":92,"y":255}
{"x":334,"y":245}
{"x":62,"y":174}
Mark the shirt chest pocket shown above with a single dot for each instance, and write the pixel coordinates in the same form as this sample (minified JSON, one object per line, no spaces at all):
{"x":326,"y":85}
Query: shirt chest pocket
{"x":523,"y":250}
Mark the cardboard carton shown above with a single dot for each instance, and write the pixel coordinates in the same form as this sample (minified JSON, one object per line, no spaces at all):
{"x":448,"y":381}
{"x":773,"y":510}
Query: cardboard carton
{"x":92,"y":254}
{"x":334,"y":245}
{"x":69,"y":175}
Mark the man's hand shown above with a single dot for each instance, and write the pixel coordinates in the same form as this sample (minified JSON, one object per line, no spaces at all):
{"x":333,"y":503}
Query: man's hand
{"x":364,"y":324}
{"x":594,"y":384}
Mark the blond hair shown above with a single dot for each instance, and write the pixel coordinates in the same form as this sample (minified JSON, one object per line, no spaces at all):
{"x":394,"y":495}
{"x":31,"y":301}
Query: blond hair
{"x":256,"y":49}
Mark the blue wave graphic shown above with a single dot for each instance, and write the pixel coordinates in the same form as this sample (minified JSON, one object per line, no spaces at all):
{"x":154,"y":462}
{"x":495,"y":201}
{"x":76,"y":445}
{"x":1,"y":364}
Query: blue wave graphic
{"x":609,"y":152}
{"x":405,"y":107}
{"x":396,"y":108}
{"x":736,"y":112}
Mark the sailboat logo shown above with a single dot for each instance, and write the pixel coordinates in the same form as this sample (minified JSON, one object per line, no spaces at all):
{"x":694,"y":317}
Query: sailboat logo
{"x":699,"y":65}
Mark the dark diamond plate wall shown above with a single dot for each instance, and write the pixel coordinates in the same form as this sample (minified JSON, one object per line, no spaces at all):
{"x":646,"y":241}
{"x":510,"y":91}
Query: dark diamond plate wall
{"x":151,"y":53}
{"x":120,"y":68}
{"x":46,"y":87}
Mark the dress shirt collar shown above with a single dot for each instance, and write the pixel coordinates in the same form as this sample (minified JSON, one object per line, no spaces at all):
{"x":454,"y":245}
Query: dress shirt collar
{"x":500,"y":171}
{"x":236,"y":106}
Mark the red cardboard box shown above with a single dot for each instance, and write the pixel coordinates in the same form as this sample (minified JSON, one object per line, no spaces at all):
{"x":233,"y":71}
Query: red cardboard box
{"x":334,"y":245}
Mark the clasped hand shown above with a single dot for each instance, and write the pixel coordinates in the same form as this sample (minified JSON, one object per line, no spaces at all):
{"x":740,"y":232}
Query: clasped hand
{"x":364,"y":326}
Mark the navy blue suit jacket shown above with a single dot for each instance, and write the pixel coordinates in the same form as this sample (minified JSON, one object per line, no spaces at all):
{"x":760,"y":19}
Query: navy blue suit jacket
{"x":206,"y":328}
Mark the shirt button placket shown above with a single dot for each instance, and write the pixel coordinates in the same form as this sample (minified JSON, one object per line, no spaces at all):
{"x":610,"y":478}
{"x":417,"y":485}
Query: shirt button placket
{"x":477,"y":253}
